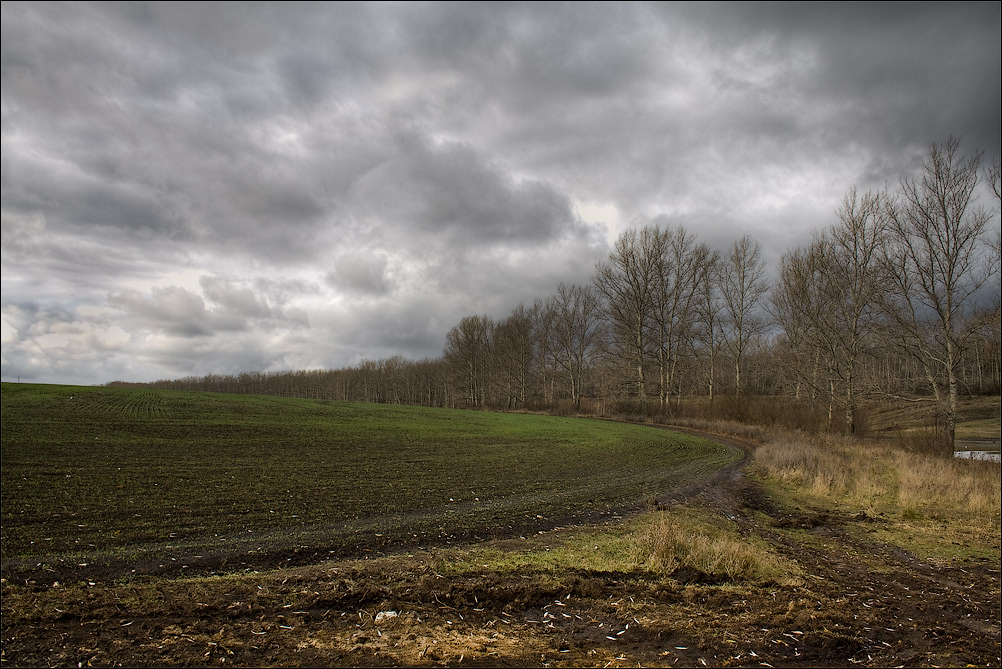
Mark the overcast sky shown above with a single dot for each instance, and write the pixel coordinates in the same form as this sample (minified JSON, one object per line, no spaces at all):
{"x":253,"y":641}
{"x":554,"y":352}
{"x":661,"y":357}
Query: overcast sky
{"x":216,"y":188}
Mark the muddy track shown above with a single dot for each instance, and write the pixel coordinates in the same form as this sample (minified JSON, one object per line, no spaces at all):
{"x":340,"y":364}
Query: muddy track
{"x":725,"y":488}
{"x":904,"y":610}
{"x":859,"y":602}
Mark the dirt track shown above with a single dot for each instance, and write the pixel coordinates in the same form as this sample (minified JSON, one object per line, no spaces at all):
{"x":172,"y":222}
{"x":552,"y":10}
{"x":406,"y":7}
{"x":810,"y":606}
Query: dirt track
{"x":860,"y":602}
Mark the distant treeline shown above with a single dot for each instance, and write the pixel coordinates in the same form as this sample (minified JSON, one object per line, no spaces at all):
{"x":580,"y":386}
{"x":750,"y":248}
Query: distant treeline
{"x":899,"y":298}
{"x":393,"y":381}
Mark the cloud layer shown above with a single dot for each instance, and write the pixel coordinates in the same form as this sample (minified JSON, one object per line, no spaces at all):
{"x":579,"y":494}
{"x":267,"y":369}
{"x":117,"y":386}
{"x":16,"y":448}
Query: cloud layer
{"x":217,"y":188}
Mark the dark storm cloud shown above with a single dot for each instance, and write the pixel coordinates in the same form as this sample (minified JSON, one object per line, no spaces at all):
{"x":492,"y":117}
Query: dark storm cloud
{"x":153,"y":132}
{"x":750,"y":84}
{"x":386,"y":332}
{"x":883,"y":75}
{"x":247,"y":180}
{"x":451,"y":190}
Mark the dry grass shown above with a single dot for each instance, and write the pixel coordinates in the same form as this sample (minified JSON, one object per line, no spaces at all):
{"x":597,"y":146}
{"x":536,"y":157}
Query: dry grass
{"x":676,"y":541}
{"x":972,"y":487}
{"x":723,"y":426}
{"x":885,"y":476}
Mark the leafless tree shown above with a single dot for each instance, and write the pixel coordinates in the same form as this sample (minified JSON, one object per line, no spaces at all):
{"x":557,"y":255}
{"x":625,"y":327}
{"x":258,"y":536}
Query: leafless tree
{"x":626,"y":282}
{"x":576,"y":331}
{"x":853,"y":282}
{"x":515,"y":354}
{"x":993,"y":338}
{"x":743,"y":287}
{"x":679,"y":269}
{"x":826,"y":301}
{"x":709,"y":305}
{"x":794,"y":306}
{"x":993,"y":175}
{"x":468,"y":353}
{"x":935,"y":263}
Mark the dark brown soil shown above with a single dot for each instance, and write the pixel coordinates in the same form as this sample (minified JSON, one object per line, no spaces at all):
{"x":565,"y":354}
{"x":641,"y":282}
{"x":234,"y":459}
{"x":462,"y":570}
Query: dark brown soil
{"x":861,"y":603}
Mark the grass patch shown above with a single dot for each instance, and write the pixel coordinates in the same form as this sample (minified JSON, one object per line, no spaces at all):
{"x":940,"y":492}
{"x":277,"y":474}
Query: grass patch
{"x":686,"y":543}
{"x":688,"y":540}
{"x":979,"y":429}
{"x":603,"y":549}
{"x":932,"y":506}
{"x":936,"y":541}
{"x":878,"y":476}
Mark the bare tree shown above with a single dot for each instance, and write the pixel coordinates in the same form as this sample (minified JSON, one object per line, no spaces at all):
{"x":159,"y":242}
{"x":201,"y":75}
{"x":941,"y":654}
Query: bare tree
{"x":679,"y":269}
{"x":515,"y":353}
{"x":743,"y":286}
{"x":626,"y":282}
{"x":468,"y":354}
{"x":576,"y":331}
{"x":853,"y":283}
{"x":935,"y":263}
{"x":709,"y":305}
{"x":826,"y":301}
{"x":795,"y":306}
{"x":993,"y":175}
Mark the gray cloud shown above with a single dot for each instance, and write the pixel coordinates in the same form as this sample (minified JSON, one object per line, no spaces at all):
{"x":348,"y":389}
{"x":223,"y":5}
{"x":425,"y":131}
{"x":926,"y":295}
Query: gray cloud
{"x":235,"y":298}
{"x":452,"y":190}
{"x":173,"y":310}
{"x":221,"y":187}
{"x":361,"y":273}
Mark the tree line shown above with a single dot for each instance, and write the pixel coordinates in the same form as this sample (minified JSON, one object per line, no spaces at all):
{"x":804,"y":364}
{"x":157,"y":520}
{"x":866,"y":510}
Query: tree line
{"x":898,"y":298}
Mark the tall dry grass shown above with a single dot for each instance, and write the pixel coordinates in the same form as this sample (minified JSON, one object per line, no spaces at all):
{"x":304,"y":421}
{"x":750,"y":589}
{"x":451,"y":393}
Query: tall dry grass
{"x":723,"y":426}
{"x":878,"y":474}
{"x":672,"y":541}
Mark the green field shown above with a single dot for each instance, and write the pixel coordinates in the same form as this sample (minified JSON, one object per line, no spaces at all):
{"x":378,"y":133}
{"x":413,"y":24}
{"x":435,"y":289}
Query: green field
{"x":147,"y":480}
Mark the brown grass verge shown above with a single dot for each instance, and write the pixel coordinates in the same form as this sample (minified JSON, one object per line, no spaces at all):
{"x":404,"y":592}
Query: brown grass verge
{"x":884,"y":475}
